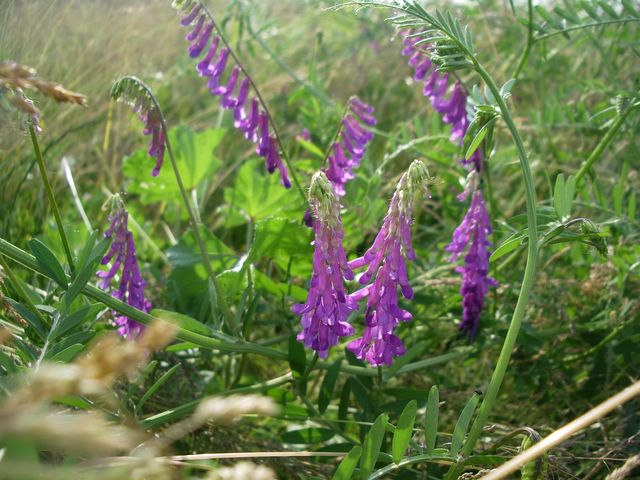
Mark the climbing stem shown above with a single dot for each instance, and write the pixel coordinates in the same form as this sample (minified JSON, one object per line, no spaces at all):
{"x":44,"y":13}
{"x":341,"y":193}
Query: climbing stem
{"x":51,"y":196}
{"x":529,"y":272}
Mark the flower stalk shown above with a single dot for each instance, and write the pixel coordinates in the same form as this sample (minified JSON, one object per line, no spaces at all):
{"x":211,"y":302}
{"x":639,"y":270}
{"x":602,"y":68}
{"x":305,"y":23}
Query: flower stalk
{"x":50,"y":195}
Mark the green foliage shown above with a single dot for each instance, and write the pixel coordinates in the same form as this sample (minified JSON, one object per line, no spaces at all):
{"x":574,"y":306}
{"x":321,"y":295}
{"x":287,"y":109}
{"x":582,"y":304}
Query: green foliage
{"x":194,"y":152}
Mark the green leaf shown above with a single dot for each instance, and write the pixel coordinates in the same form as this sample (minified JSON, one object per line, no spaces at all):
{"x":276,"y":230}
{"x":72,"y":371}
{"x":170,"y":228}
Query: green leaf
{"x":306,"y":436}
{"x":30,"y":317}
{"x":68,"y":354}
{"x":89,"y":268}
{"x":297,"y":358}
{"x":195,"y":158}
{"x":559,"y":197}
{"x":632,"y":207}
{"x":371,"y":446}
{"x":509,"y":245}
{"x":412,"y":353}
{"x":182,"y":321}
{"x":86,"y":250}
{"x":156,"y":386}
{"x":48,"y":261}
{"x":462,"y":425}
{"x":348,"y":464}
{"x":7,"y":363}
{"x":404,"y":431}
{"x":431,"y":419}
{"x":82,"y":337}
{"x":505,"y":90}
{"x":328,"y":385}
{"x":259,"y":195}
{"x":282,"y":239}
{"x":475,"y":143}
{"x":69,"y":322}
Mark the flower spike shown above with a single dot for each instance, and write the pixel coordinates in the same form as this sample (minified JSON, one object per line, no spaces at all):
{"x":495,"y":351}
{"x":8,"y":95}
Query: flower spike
{"x":347,"y":151}
{"x":249,"y":118}
{"x":135,"y":93}
{"x":324,"y":314}
{"x":123,"y":258}
{"x":385,"y":262}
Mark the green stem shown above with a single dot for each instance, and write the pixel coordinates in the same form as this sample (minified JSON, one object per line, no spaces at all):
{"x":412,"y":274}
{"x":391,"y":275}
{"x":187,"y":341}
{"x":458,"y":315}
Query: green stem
{"x":527,"y":49}
{"x":229,"y":318}
{"x":586,"y":25}
{"x":50,"y":195}
{"x":604,"y":143}
{"x":529,"y":272}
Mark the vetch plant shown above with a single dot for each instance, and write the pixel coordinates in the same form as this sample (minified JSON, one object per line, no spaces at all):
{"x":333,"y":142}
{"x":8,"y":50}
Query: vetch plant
{"x":350,"y":145}
{"x":251,"y":116}
{"x":385,"y":262}
{"x":123,"y":259}
{"x":324,"y":314}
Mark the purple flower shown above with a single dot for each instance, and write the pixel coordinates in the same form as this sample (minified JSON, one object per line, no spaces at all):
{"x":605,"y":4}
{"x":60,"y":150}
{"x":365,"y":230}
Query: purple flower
{"x":153,"y":127}
{"x":324,"y":314}
{"x":436,"y":86}
{"x":472,"y":236}
{"x":385,"y":260}
{"x":475,"y":226}
{"x":351,"y":144}
{"x":251,"y":118}
{"x":123,"y":254}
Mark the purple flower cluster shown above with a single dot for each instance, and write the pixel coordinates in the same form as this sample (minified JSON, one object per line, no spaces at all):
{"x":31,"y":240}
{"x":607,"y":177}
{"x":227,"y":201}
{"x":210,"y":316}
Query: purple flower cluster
{"x":249,"y":115}
{"x":378,"y":344}
{"x":453,"y":108}
{"x":123,"y":256}
{"x":472,"y":236}
{"x":325,"y":312}
{"x":153,"y":127}
{"x":386,"y":260}
{"x":476,"y":225}
{"x":349,"y":148}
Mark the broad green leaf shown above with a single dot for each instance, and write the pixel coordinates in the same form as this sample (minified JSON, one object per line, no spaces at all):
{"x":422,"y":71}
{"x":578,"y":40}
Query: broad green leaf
{"x":195,"y":158}
{"x":182,"y":321}
{"x":462,"y":425}
{"x":307,"y":436}
{"x":328,"y":385}
{"x":404,"y":430}
{"x":48,"y":261}
{"x":348,"y":464}
{"x":258,"y":195}
{"x":632,"y":207}
{"x":371,"y":446}
{"x":431,"y":419}
{"x":282,"y":239}
{"x":158,"y":383}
